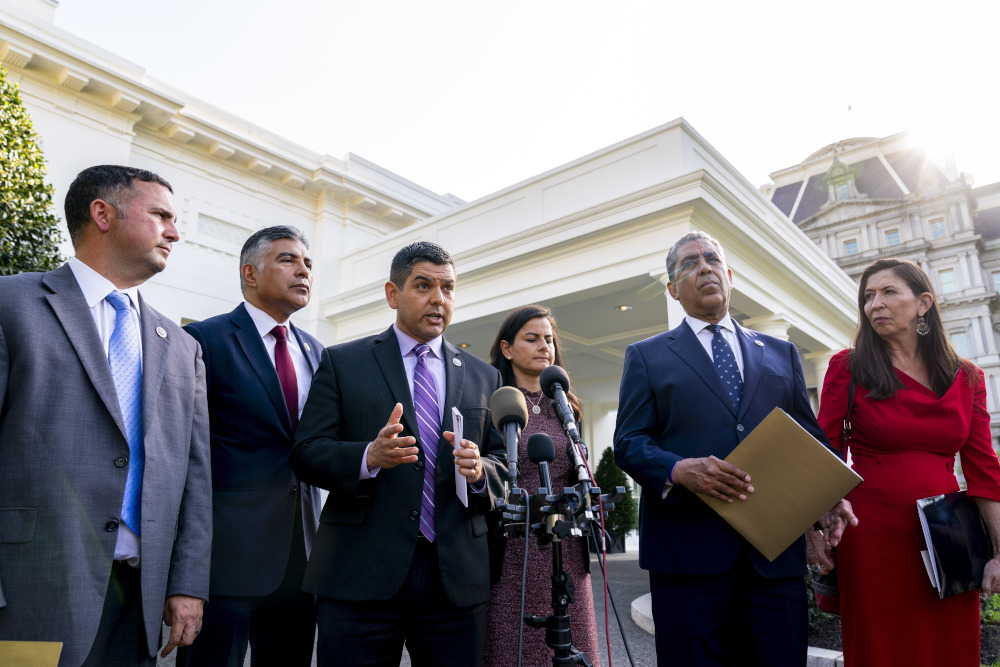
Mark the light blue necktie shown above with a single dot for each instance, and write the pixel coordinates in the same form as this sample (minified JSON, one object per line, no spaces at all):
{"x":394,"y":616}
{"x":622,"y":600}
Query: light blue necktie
{"x":126,"y":369}
{"x":425,"y":402}
{"x":725,"y":363}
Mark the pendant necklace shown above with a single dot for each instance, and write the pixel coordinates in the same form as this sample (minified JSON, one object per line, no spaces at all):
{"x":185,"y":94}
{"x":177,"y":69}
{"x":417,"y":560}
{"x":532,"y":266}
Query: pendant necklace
{"x":534,"y":406}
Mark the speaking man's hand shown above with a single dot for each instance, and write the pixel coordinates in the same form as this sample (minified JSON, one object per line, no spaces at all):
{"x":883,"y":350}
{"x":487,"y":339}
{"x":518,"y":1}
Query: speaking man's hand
{"x":713,"y":477}
{"x":389,"y":450}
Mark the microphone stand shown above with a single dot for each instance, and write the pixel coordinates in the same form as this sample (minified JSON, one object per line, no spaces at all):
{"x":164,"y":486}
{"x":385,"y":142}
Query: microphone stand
{"x":564,"y":514}
{"x":557,"y":631}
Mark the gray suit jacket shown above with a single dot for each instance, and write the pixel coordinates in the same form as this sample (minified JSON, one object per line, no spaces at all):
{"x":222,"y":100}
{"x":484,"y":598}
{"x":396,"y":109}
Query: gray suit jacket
{"x":61,"y":491}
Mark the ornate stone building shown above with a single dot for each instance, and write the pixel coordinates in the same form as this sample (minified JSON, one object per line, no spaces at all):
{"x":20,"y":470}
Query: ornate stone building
{"x":865,"y":198}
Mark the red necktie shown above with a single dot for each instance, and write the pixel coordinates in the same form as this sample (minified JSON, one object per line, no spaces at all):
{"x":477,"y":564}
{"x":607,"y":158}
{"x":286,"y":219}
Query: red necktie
{"x":286,"y":373}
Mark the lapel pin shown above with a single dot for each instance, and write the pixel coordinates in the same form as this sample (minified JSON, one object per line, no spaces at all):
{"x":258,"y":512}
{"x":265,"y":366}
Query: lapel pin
{"x":306,"y":345}
{"x":758,"y":342}
{"x":161,"y":332}
{"x":456,"y":361}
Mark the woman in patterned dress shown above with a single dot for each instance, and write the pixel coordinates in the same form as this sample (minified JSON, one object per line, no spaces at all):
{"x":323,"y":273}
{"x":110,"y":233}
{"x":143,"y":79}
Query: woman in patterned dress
{"x":527,"y":343}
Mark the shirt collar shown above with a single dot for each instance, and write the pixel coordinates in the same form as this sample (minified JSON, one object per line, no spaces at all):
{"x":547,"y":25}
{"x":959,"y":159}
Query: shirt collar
{"x":700,"y":325}
{"x":96,"y":287}
{"x":262,"y":320}
{"x":407,"y":343}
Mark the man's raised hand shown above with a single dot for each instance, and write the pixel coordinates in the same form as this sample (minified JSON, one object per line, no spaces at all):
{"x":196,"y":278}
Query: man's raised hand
{"x":389,"y":450}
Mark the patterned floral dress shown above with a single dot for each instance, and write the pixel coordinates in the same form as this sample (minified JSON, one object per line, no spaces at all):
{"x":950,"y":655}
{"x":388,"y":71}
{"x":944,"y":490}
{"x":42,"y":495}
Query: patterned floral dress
{"x":503,"y":618}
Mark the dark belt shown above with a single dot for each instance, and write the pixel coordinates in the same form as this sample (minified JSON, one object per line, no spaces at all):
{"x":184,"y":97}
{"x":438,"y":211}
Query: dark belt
{"x":121,"y":569}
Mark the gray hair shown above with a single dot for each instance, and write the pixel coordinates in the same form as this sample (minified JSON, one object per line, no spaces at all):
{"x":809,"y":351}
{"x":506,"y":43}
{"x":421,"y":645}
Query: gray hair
{"x":681,"y":242}
{"x":259,"y":244}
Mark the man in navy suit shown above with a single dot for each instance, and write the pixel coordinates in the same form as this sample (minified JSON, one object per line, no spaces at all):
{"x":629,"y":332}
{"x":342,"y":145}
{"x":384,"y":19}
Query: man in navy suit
{"x":688,"y":397}
{"x":260,"y":368}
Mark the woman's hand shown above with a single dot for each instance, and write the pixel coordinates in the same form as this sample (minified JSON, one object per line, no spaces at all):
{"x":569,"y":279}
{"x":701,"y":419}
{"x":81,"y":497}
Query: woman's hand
{"x":991,"y":577}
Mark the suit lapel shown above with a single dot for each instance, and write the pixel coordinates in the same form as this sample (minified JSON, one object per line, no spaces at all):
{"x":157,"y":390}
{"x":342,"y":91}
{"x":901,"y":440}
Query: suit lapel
{"x":753,"y":362}
{"x":155,"y":348}
{"x":312,"y":356}
{"x":454,"y":371}
{"x":71,"y":310}
{"x":253,"y":348}
{"x":685,"y":344}
{"x":390,"y":361}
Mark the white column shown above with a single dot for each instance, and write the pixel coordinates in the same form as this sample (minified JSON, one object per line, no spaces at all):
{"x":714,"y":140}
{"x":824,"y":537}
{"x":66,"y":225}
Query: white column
{"x":821,"y":362}
{"x":775,"y":324}
{"x":675,"y":313}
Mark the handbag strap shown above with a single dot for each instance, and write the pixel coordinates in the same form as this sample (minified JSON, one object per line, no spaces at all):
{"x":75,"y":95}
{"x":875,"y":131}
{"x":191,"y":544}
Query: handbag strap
{"x":845,"y":433}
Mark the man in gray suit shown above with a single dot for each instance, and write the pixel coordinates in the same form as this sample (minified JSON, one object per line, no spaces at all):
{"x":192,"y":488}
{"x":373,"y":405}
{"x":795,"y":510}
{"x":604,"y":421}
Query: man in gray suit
{"x":105,"y":484}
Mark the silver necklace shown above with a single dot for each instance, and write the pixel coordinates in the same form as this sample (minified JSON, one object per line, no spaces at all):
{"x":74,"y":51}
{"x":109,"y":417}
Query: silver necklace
{"x":534,"y":406}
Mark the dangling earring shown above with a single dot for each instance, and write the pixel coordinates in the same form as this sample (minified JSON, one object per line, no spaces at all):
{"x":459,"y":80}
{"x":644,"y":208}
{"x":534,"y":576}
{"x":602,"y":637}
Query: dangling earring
{"x":922,"y":327}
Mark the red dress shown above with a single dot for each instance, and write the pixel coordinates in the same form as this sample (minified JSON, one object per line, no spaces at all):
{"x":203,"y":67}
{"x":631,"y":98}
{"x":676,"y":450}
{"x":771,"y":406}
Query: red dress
{"x":904,"y":447}
{"x":503,"y":615}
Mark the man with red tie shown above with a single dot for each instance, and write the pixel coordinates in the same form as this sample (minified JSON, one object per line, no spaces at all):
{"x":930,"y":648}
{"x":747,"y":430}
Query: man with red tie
{"x":259,"y":368}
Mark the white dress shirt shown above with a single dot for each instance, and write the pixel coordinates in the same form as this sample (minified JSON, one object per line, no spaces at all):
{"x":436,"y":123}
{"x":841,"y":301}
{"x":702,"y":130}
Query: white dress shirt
{"x":264,"y":324}
{"x":95,"y":288}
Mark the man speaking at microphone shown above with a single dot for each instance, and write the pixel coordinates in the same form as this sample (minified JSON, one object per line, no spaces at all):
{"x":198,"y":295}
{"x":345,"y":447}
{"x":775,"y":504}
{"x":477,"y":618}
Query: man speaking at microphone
{"x":398,"y":556}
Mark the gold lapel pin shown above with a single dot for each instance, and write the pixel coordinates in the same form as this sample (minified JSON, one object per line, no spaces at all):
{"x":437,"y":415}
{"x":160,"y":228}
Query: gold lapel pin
{"x":306,"y":345}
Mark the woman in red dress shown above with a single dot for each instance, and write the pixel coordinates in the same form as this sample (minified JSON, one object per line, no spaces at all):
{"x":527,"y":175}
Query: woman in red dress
{"x":527,"y":344}
{"x":916,"y":404}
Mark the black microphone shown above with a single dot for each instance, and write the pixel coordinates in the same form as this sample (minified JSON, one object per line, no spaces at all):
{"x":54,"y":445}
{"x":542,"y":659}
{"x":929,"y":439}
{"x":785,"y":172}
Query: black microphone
{"x":542,"y":451}
{"x":555,"y":384}
{"x":510,"y":414}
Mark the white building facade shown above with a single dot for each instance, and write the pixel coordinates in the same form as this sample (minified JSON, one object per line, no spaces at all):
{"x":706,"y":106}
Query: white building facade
{"x":588,"y":238}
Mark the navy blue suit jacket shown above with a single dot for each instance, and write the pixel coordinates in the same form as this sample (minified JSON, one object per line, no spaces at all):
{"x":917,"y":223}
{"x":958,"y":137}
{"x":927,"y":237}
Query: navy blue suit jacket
{"x":673,"y":406}
{"x":253,"y":485}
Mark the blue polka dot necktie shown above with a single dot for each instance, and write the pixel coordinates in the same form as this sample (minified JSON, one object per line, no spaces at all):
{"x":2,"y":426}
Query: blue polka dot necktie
{"x":126,"y":370}
{"x":725,"y":364}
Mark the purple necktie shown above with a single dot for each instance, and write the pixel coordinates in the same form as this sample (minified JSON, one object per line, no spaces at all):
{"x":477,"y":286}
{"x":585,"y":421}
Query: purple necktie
{"x":425,"y":402}
{"x":286,"y":373}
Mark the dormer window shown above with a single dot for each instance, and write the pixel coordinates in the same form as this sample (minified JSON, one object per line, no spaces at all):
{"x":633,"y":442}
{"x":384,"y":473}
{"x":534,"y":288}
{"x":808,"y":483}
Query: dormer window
{"x":840,"y":182}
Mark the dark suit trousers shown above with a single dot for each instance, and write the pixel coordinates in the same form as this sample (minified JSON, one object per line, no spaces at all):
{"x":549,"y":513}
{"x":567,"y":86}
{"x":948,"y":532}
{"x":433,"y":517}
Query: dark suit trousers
{"x":280,"y":628}
{"x":372,"y":633}
{"x":736,"y":618}
{"x":121,"y":636}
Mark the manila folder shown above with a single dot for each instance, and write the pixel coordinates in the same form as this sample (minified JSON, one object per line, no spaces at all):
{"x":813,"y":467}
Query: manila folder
{"x":30,"y":654}
{"x":796,"y":480}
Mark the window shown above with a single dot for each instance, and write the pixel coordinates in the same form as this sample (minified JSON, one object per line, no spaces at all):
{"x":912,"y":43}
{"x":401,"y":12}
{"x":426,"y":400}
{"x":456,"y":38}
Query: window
{"x":892,"y":237}
{"x":843,"y":191}
{"x":937,"y":228}
{"x":960,"y":341}
{"x":947,"y":281}
{"x":851,"y":247}
{"x":996,"y":281}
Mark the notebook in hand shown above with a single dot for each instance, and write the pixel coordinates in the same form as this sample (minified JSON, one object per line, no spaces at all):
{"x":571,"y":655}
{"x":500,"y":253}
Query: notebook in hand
{"x":958,"y":546}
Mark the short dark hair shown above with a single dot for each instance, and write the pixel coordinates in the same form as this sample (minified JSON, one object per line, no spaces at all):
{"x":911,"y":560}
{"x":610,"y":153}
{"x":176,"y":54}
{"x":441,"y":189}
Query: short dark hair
{"x":421,"y":251}
{"x":256,"y":247}
{"x":107,"y":182}
{"x":871,"y":365}
{"x":687,"y":238}
{"x":513,"y":323}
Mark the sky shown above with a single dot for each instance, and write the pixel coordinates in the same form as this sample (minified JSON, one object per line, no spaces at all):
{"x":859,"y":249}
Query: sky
{"x":469,"y":96}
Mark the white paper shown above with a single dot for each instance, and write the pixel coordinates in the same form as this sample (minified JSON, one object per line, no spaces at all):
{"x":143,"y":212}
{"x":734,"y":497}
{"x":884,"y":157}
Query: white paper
{"x":461,"y":485}
{"x":929,"y":560}
{"x":926,"y":555}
